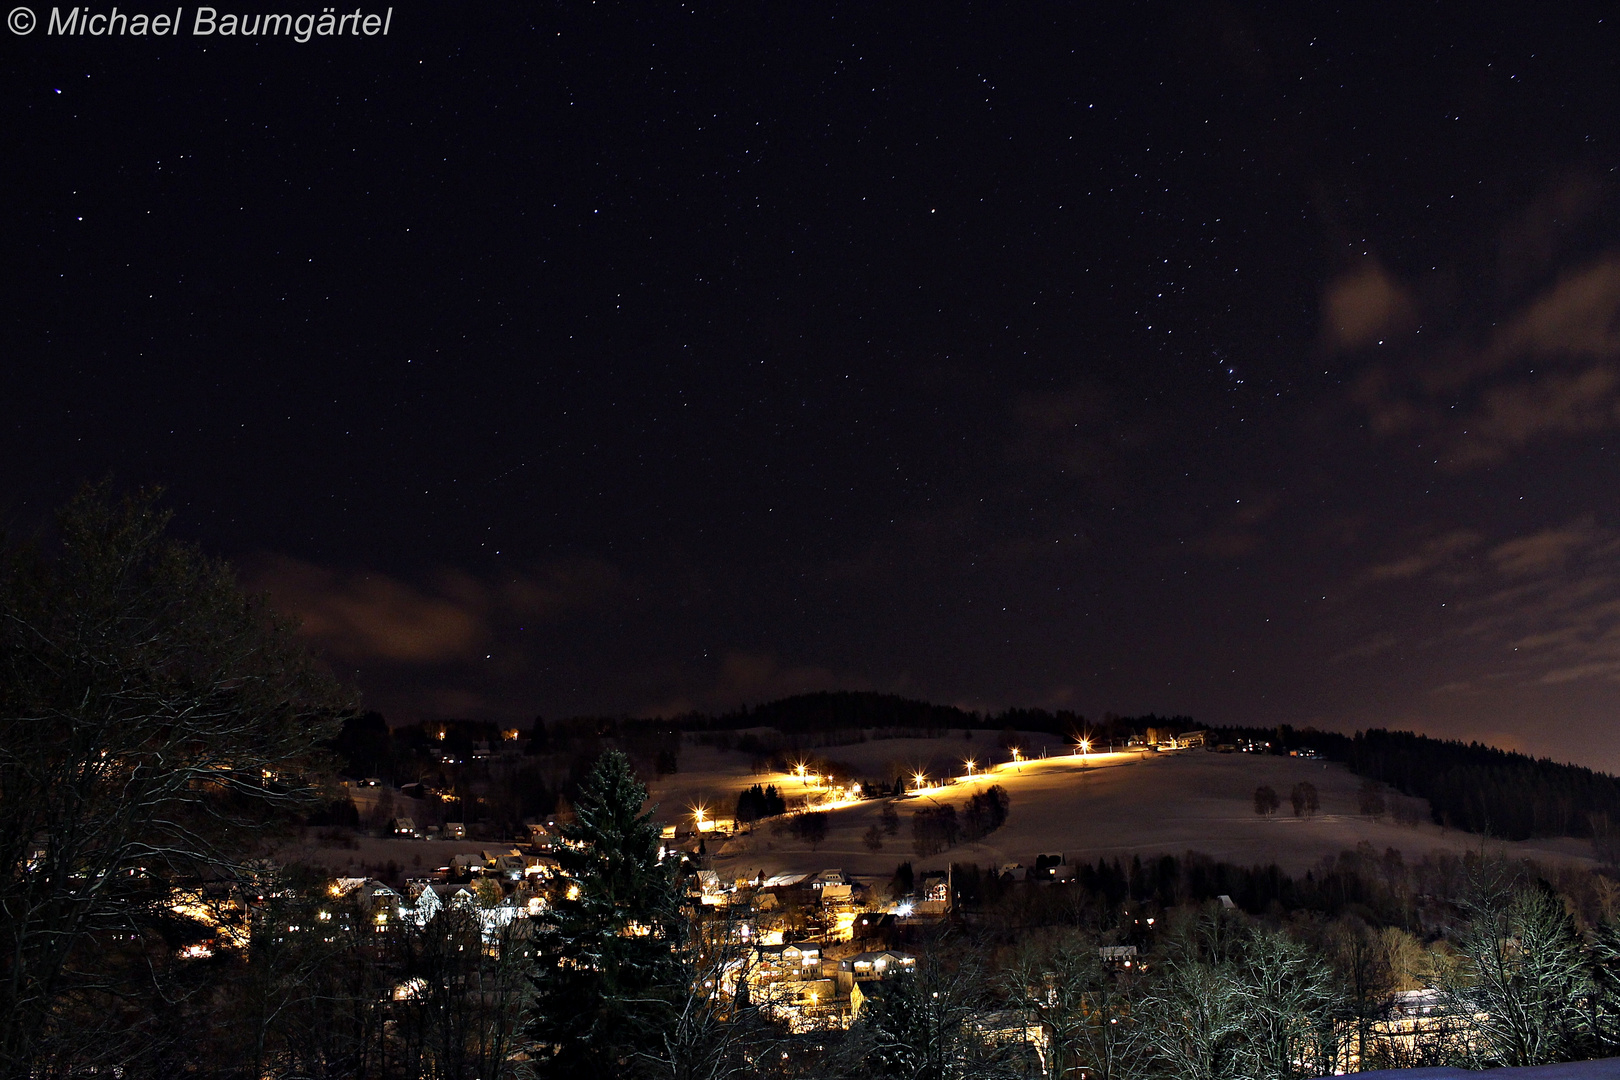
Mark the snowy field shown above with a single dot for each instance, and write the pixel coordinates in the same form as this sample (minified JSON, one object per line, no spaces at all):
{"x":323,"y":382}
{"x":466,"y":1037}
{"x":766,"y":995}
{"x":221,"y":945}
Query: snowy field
{"x":1107,"y":805}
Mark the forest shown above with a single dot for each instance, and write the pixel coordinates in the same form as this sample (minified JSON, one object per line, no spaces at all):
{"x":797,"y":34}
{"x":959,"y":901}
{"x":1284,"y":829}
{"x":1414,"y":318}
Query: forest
{"x":1469,"y":786}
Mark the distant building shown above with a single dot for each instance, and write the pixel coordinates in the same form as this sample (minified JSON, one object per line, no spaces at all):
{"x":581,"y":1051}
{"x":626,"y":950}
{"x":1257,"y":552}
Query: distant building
{"x":1048,"y":865}
{"x":874,"y":926}
{"x":1117,"y":955}
{"x":789,"y":962}
{"x":883,"y":964}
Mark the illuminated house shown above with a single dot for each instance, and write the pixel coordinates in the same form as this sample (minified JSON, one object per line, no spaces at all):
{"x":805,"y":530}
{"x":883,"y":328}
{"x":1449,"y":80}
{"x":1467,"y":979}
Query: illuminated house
{"x":878,"y":965}
{"x":711,"y":890}
{"x":1121,"y":956}
{"x":934,"y":894}
{"x":779,"y":963}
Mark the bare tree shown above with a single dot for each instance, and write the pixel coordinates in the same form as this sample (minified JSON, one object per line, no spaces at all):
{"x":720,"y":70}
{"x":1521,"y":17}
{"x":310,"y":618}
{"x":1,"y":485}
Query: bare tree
{"x":811,"y":827}
{"x":936,"y":1024}
{"x":1370,"y":798}
{"x":1526,"y":981}
{"x":1265,"y":800}
{"x":154,"y":724}
{"x":1362,"y":957}
{"x":1292,"y":1005}
{"x":1086,"y":1008}
{"x":1233,"y":1000}
{"x":1198,"y":1010}
{"x":463,"y":996}
{"x":715,"y":1031}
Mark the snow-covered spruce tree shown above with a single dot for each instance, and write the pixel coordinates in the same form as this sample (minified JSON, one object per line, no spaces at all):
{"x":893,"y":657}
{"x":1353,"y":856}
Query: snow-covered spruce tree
{"x":609,"y":964}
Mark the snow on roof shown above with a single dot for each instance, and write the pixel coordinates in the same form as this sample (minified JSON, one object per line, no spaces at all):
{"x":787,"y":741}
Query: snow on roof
{"x":782,"y":881}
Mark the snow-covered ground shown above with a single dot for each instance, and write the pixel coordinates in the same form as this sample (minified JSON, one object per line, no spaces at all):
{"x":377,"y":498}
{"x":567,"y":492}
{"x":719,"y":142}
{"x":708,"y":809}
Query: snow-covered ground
{"x":1575,"y":1070}
{"x":1124,"y":804}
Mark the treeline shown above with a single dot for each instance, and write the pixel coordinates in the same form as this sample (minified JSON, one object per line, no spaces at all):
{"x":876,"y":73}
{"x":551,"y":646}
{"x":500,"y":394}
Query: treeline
{"x":1469,"y":786}
{"x":1482,"y":789}
{"x":836,"y":711}
{"x":936,"y":828}
{"x":529,"y":773}
{"x":1384,"y":888}
{"x":760,"y":802}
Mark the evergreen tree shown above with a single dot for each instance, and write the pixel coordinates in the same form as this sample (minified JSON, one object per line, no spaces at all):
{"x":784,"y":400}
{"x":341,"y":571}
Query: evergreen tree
{"x":609,"y":957}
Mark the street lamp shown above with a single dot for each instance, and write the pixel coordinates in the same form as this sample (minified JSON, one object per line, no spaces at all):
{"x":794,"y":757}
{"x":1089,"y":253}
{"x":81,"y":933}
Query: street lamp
{"x":921,"y":780}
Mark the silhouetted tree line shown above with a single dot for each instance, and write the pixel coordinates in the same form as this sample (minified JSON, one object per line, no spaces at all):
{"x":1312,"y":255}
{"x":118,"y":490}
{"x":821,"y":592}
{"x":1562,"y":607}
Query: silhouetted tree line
{"x":1469,"y":786}
{"x":1381,"y":887}
{"x":934,"y":828}
{"x":760,"y":802}
{"x":985,"y":812}
{"x":843,"y":710}
{"x":937,"y":828}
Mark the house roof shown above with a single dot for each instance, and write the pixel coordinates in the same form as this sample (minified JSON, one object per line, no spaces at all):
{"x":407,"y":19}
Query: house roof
{"x":783,"y":881}
{"x":797,"y":946}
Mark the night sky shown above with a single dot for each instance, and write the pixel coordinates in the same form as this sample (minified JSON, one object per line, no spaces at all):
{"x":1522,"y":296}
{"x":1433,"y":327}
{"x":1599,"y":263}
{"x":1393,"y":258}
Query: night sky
{"x":1217,"y":359}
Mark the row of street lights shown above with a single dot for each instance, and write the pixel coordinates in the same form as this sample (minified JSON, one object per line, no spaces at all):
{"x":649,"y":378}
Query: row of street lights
{"x":919,"y":779}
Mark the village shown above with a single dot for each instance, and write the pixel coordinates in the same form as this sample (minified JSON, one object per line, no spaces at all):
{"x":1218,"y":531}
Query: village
{"x":809,"y":948}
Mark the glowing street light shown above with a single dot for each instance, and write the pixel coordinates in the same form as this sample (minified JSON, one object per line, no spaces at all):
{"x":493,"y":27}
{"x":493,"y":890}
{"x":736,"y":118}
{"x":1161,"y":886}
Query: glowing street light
{"x":970,"y":767}
{"x":1085,"y":746}
{"x":1018,"y":755}
{"x":921,"y":780}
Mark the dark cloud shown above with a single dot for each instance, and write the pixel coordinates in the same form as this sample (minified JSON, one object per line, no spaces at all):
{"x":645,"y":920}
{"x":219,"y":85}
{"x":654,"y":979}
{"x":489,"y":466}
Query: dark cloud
{"x":1430,"y":557}
{"x":1363,"y":307}
{"x":357,"y":616}
{"x":1084,"y":432}
{"x":1240,"y":532}
{"x":1555,"y":220}
{"x":1544,"y":606}
{"x":562,"y":588}
{"x":1548,"y":368}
